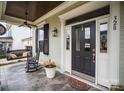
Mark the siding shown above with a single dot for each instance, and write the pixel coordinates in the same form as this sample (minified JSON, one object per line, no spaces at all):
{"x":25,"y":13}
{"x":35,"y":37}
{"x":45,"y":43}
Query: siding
{"x":121,"y":64}
{"x":54,"y":42}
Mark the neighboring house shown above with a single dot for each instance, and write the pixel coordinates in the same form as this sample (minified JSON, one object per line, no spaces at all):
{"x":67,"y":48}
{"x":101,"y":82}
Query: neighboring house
{"x":6,"y":43}
{"x":82,"y":48}
{"x":27,"y":42}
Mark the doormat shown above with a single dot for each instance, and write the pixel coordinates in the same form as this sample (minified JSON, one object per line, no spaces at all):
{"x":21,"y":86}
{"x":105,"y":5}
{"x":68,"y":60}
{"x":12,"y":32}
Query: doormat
{"x":117,"y":88}
{"x":78,"y":84}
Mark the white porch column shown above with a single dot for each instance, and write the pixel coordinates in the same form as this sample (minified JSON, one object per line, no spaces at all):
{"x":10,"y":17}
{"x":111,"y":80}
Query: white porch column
{"x":33,"y":41}
{"x":62,"y":44}
{"x":114,"y":42}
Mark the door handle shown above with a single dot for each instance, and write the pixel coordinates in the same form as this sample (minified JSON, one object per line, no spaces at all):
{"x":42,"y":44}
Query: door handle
{"x":93,"y":50}
{"x":93,"y":57}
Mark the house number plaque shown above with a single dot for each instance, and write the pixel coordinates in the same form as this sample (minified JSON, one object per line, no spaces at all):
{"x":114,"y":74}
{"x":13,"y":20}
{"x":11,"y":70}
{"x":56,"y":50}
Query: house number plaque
{"x":115,"y":23}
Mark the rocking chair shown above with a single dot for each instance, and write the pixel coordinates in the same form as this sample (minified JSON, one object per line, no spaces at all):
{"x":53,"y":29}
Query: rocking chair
{"x":32,"y":63}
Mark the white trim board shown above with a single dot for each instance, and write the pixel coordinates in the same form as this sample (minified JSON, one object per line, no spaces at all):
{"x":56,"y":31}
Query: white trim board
{"x":54,"y":11}
{"x":85,"y":8}
{"x":96,"y":67}
{"x":69,"y":28}
{"x":96,"y":18}
{"x":78,"y":11}
{"x":103,"y":58}
{"x":114,"y":11}
{"x":115,"y":43}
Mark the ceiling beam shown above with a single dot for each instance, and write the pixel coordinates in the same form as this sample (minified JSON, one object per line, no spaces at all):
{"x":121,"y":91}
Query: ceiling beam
{"x":2,"y":8}
{"x":13,"y":20}
{"x":4,"y":4}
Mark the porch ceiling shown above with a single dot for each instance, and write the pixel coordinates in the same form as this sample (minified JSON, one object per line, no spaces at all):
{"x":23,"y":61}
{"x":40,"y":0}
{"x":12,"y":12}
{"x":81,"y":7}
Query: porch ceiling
{"x":36,"y":9}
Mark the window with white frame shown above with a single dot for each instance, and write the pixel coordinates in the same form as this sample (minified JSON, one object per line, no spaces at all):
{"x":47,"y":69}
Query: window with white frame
{"x":40,"y":39}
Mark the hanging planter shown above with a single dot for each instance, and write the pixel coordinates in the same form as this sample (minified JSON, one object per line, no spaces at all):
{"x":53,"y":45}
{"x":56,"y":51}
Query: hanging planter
{"x":50,"y":69}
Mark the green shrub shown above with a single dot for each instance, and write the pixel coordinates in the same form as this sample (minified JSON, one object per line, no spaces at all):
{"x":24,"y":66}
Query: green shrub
{"x":2,"y":56}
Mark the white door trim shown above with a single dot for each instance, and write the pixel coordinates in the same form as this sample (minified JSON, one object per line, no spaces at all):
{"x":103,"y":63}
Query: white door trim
{"x":63,"y":18}
{"x":115,"y":43}
{"x":103,"y":58}
{"x":87,"y":7}
{"x":69,"y":26}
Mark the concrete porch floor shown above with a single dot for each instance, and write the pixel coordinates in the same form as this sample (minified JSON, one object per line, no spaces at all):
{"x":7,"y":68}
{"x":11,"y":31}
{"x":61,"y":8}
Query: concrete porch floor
{"x":14,"y":78}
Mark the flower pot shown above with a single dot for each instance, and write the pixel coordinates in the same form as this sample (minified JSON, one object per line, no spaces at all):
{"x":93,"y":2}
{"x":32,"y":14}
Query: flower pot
{"x":50,"y":72}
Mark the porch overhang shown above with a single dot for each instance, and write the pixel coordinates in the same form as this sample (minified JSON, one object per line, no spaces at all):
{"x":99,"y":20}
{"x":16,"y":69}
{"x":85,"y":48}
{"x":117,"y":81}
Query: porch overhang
{"x":16,"y":20}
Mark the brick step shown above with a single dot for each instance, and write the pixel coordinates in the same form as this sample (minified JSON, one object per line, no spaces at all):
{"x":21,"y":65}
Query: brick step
{"x":78,"y":84}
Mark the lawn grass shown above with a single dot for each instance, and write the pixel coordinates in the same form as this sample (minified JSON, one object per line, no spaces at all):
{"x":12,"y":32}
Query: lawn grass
{"x":2,"y":56}
{"x":3,"y":64}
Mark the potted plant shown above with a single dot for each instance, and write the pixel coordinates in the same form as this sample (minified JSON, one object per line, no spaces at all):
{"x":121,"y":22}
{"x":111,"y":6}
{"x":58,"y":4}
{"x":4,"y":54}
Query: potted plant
{"x":50,"y":69}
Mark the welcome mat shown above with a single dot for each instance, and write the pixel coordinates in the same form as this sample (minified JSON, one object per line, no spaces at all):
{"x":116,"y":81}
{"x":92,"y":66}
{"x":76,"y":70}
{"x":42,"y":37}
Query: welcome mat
{"x":78,"y":84}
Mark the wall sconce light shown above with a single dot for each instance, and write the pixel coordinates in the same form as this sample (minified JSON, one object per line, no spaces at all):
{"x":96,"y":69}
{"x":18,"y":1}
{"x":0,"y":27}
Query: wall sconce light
{"x":55,"y":32}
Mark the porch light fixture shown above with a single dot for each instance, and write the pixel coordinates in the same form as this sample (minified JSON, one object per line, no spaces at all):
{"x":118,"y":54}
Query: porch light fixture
{"x":55,"y":32}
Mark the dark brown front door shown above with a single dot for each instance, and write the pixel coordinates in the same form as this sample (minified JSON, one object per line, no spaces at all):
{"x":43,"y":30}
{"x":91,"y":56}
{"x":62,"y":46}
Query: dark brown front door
{"x":83,"y":48}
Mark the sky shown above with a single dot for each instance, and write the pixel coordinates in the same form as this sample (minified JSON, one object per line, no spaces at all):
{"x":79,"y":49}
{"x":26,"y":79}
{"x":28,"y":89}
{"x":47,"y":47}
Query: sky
{"x":18,"y":33}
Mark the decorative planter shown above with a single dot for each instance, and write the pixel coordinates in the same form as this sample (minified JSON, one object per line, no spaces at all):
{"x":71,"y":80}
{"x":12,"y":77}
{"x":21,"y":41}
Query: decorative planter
{"x":50,"y":72}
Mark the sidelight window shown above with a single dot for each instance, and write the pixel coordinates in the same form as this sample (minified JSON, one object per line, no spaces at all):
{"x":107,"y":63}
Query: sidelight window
{"x":77,"y":40}
{"x":103,"y":37}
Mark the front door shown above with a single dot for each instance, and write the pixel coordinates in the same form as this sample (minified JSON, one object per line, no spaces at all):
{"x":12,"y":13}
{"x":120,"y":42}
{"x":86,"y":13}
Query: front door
{"x":83,"y":50}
